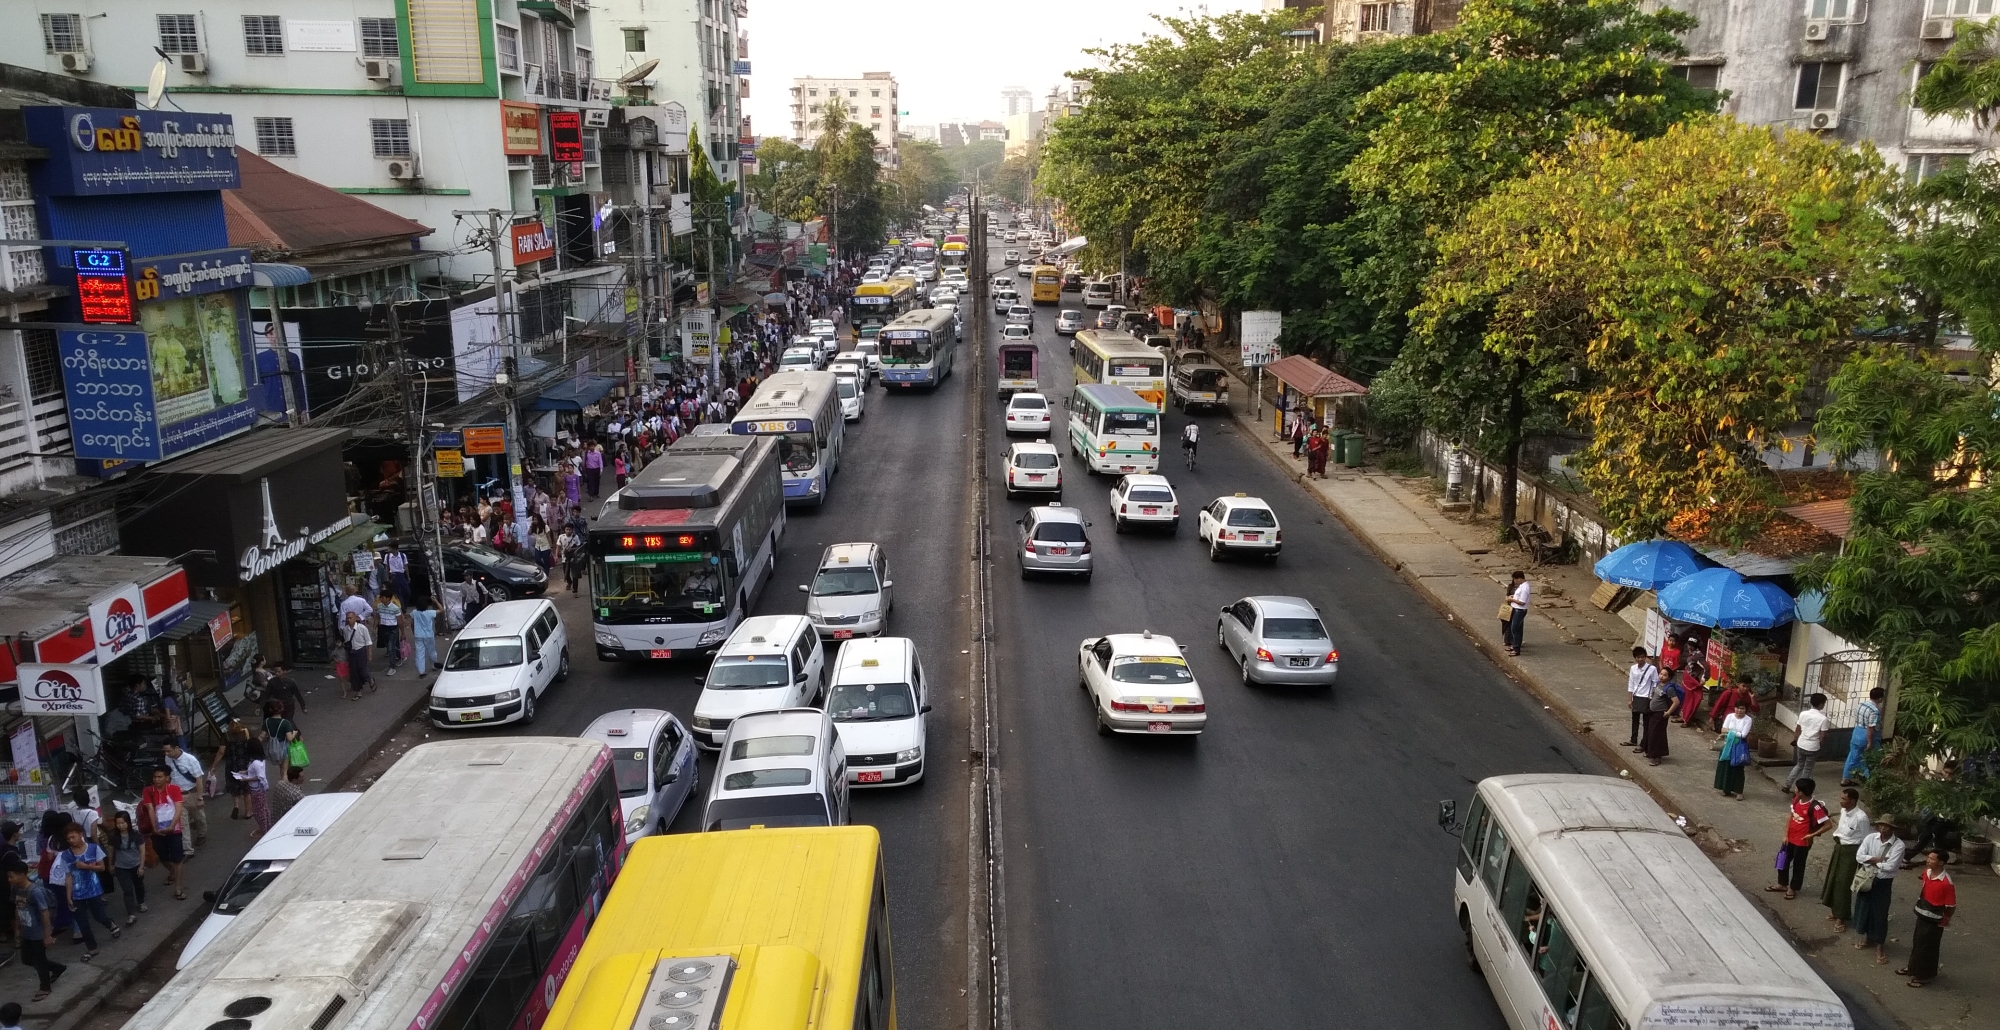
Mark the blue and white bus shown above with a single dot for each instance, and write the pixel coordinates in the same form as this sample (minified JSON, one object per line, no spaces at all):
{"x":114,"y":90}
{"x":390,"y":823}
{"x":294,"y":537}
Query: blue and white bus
{"x":916,"y":349}
{"x":801,"y":409}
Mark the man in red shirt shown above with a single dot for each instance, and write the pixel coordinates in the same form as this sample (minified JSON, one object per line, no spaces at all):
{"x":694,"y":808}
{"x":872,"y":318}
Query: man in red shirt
{"x":162,"y":816}
{"x":1807,"y":820}
{"x":1937,"y":899}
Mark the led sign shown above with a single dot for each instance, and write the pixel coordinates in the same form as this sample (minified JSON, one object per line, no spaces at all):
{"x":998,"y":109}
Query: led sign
{"x":103,"y":287}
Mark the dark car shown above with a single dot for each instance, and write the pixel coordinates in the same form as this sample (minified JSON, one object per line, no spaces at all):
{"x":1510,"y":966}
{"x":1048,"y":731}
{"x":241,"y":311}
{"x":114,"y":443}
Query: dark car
{"x":1072,"y":281}
{"x":504,"y":573}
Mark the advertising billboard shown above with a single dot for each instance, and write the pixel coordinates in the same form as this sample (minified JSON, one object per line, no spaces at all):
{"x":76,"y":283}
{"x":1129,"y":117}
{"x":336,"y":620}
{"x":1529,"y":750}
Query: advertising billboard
{"x":106,"y":152}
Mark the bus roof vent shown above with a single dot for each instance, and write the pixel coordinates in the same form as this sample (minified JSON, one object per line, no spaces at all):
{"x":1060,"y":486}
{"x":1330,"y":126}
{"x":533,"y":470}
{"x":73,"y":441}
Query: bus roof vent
{"x":686,"y":479}
{"x":686,"y":994}
{"x":491,"y":756}
{"x":270,"y":983}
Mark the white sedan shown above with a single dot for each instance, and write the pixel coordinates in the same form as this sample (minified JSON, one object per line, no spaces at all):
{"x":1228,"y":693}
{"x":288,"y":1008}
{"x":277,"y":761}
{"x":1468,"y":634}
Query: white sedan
{"x":1240,"y":523}
{"x":1140,"y":499}
{"x":1027,"y":413}
{"x":1139,"y":683}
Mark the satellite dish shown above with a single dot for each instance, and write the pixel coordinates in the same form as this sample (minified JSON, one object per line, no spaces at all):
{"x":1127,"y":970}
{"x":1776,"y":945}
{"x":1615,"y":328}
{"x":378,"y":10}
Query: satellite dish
{"x":156,"y":85}
{"x":639,"y":74}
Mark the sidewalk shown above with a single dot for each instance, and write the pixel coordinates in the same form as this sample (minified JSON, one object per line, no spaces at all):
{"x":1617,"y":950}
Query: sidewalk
{"x":1574,"y":660}
{"x":340,"y":737}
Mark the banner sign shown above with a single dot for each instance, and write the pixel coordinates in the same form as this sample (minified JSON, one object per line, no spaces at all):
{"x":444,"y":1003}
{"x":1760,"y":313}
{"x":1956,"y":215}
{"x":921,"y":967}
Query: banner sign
{"x":485,"y":439}
{"x":697,"y":336}
{"x":103,"y":287}
{"x":520,"y":128}
{"x":1260,"y":337}
{"x":116,"y":623}
{"x":566,"y":137}
{"x":190,"y":275}
{"x":108,"y":384}
{"x":450,"y":464}
{"x":532,"y":242}
{"x":97,"y":152}
{"x":61,"y":690}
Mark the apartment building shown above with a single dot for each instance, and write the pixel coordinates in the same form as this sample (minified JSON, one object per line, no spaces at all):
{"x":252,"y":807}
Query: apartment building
{"x":689,"y":56}
{"x":1355,"y":20}
{"x":871,"y":100}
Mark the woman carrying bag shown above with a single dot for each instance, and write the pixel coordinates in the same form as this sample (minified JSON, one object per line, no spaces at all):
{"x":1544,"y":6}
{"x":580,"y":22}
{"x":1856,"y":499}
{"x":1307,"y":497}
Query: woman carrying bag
{"x":1735,"y":752}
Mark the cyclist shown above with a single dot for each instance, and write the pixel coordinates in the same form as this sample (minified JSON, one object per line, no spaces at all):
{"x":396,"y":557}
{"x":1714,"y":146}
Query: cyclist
{"x":1190,"y":438}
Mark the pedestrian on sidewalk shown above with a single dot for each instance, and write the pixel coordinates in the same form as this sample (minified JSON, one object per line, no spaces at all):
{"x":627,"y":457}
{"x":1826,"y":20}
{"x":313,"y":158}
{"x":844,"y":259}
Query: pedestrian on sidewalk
{"x":1659,"y":709}
{"x":32,"y":926}
{"x":1806,"y":739}
{"x":10,"y":1016}
{"x":127,"y":847}
{"x":1867,"y":723}
{"x":233,"y":757}
{"x":256,"y":781}
{"x":1297,"y":433}
{"x":1518,"y":592}
{"x":287,"y":792}
{"x":163,"y":818}
{"x":389,"y":625}
{"x":1642,"y":681}
{"x":1735,"y":755}
{"x":1881,"y":851}
{"x":1804,"y":823}
{"x":55,"y":834}
{"x":356,"y":638}
{"x":284,"y":688}
{"x":279,"y":732}
{"x":1317,"y":446}
{"x":1937,"y":899}
{"x":1728,"y":700}
{"x":86,"y":867}
{"x":1850,"y":829}
{"x":184,"y":771}
{"x":423,"y":635}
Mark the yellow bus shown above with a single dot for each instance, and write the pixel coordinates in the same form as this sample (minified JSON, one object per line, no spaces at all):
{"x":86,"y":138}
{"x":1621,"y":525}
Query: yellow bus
{"x":1048,"y":284}
{"x":878,"y":304}
{"x":761,"y":929}
{"x":1121,"y":359}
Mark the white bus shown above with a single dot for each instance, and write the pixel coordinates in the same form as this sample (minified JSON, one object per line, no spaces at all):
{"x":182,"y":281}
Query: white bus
{"x":1113,"y":430}
{"x":454,"y":895}
{"x":1588,"y":909}
{"x":801,"y":409}
{"x":916,"y":349}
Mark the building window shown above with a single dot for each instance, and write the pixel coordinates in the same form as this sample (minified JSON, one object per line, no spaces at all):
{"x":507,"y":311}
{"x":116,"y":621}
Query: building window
{"x":507,"y":44}
{"x":590,"y":147}
{"x":378,"y":38}
{"x":1830,"y":10}
{"x":178,"y":34}
{"x":391,"y":136}
{"x":635,"y":41}
{"x":875,"y":93}
{"x":1373,"y":18}
{"x":62,"y":33}
{"x":1960,"y":8}
{"x":812,"y":92}
{"x":1819,"y":86}
{"x":1700,"y":76}
{"x":263,"y":35}
{"x":274,"y":137}
{"x":813,"y":108}
{"x":38,"y":348}
{"x":853,"y":92}
{"x":874,"y":112}
{"x":1918,"y":167}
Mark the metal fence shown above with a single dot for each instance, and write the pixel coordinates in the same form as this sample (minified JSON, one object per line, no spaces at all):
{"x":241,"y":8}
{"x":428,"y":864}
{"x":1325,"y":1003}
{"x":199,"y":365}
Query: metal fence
{"x":1845,"y":677}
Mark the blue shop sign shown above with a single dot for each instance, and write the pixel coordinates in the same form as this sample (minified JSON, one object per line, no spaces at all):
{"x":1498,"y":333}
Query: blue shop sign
{"x":105,"y":151}
{"x":188,"y":275}
{"x":108,"y":382}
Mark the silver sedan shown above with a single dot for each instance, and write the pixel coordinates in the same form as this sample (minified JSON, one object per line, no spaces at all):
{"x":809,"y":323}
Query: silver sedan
{"x":1278,"y":640}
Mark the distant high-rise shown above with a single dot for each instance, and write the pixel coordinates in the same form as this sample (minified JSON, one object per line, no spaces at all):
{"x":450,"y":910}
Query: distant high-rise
{"x":870,"y":100}
{"x":1018,"y":101}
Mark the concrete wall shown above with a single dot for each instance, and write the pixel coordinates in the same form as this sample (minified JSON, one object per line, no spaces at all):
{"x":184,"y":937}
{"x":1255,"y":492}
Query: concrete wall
{"x":1557,"y":510}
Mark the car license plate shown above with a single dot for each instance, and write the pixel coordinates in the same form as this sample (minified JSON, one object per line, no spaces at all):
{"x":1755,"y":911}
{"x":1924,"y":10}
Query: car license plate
{"x":1058,"y":550}
{"x":471,"y":716}
{"x":1302,"y":662}
{"x":1037,"y":477}
{"x":869,"y":777}
{"x":660,"y":652}
{"x":1159,"y":727}
{"x":1128,"y":468}
{"x":1149,"y":511}
{"x":842,"y":634}
{"x":1251,"y":536}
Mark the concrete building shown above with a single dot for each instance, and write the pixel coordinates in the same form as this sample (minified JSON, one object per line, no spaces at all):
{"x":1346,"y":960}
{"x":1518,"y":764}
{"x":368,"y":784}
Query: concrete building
{"x":702,"y":50}
{"x":1022,"y":130}
{"x":871,"y":100}
{"x":1017,"y":101}
{"x":1843,"y":68}
{"x":951,"y":134}
{"x":421,"y":106}
{"x":1356,"y":20}
{"x":988,"y":130}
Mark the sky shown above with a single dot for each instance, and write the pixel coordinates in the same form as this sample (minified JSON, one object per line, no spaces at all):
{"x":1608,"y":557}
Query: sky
{"x":951,"y":58}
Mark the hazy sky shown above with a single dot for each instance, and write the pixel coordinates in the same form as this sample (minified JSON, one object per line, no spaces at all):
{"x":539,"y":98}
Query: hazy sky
{"x":951,"y":58}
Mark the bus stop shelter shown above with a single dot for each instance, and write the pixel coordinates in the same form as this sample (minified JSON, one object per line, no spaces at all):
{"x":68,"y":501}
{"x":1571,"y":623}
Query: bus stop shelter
{"x":1307,"y":387}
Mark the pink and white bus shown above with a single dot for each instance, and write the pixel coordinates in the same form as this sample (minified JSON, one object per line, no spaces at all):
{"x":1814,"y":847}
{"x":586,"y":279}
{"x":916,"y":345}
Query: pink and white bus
{"x":454,"y":895}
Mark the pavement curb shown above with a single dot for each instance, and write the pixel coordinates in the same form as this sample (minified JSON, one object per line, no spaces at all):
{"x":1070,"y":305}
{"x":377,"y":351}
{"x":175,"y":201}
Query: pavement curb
{"x":120,"y":975}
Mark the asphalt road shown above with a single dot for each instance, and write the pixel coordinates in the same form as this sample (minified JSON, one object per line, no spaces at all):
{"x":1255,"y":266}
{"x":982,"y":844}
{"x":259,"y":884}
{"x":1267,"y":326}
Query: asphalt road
{"x":1285,"y":868}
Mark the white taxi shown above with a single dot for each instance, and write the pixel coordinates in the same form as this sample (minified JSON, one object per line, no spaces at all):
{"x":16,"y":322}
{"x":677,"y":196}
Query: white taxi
{"x":1141,"y":500}
{"x":1140,"y":683}
{"x":1034,"y":468}
{"x":1240,"y":523}
{"x":1027,"y":413}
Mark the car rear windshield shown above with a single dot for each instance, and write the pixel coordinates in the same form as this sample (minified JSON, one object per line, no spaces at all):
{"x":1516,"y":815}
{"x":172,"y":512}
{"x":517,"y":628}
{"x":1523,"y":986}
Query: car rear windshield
{"x":1060,"y":532}
{"x":1294,"y":629}
{"x":780,"y":810}
{"x":1035,"y":460}
{"x":778,"y":746}
{"x":471,"y":654}
{"x":1024,"y":401}
{"x":1145,"y":494}
{"x":1254,"y":518}
{"x":748,"y":673}
{"x":870,"y":702}
{"x":759,"y":779}
{"x":1150,"y":670}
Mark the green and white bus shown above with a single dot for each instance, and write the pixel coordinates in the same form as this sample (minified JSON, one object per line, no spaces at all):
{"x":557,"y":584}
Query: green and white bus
{"x":1113,"y":430}
{"x":916,"y":349}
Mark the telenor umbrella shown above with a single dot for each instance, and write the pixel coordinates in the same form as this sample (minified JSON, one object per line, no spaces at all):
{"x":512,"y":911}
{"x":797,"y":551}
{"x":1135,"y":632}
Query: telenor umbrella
{"x":1650,"y":564}
{"x":1725,"y":600}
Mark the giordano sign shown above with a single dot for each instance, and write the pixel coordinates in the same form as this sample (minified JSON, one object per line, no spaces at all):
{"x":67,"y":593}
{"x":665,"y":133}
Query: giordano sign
{"x":277,"y":548}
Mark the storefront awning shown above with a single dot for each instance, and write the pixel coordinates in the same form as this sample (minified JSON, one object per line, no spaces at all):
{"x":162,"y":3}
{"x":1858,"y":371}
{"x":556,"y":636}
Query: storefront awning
{"x":199,"y":612}
{"x":266,"y":273}
{"x":81,"y":608}
{"x":352,"y":538}
{"x":575,"y":394}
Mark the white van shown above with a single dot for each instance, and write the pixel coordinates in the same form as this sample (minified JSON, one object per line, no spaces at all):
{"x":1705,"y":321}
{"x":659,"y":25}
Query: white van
{"x":782,"y":768}
{"x":771,"y":661}
{"x":1096,"y":295}
{"x":879,"y":702}
{"x":851,"y":594}
{"x":500,"y":664}
{"x":271,"y":855}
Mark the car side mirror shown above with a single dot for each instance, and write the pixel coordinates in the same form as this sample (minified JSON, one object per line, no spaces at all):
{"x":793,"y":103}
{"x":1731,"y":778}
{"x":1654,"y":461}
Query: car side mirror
{"x":672,"y":776}
{"x":804,"y":589}
{"x":1087,"y":525}
{"x":1448,"y":816}
{"x":701,"y":681}
{"x":925,"y":708}
{"x":887,"y":583}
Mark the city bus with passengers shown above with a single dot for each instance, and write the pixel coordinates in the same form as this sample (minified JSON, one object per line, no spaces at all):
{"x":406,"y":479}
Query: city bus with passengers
{"x":1117,"y":357}
{"x":1113,"y":430}
{"x":874,"y":305}
{"x":916,"y":349}
{"x":455,"y":895}
{"x":758,"y":929}
{"x":1588,"y":908}
{"x":801,"y":409}
{"x":681,"y":552}
{"x":1046,"y":285}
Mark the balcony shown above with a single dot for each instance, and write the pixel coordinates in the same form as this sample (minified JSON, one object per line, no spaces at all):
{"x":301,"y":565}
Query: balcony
{"x":541,"y":83}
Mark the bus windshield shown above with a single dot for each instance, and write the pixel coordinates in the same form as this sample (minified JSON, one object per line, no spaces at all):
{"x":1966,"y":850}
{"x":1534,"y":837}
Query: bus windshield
{"x":693,"y":583}
{"x":798,"y":452}
{"x":1131,"y":423}
{"x":905,"y":350}
{"x":248,"y":881}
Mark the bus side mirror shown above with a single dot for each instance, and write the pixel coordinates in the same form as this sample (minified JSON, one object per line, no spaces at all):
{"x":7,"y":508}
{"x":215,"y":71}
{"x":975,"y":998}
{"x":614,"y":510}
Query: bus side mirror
{"x":1448,"y":816}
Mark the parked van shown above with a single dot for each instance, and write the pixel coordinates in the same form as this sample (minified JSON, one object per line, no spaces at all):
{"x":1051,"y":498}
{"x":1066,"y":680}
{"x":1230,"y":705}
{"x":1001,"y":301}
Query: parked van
{"x":1096,"y":295}
{"x":500,"y":664}
{"x":271,"y":855}
{"x":850,"y":596}
{"x":879,"y":703}
{"x":782,"y":768}
{"x":770,"y":662}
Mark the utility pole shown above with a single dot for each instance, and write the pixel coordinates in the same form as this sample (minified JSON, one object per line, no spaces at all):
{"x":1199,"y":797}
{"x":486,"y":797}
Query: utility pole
{"x":423,"y":503}
{"x":510,"y":363}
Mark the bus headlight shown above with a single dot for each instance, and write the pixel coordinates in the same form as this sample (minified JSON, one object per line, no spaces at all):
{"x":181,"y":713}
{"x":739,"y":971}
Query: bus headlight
{"x":812,"y":486}
{"x":637,"y":820}
{"x":713,"y":636}
{"x":609,"y":640}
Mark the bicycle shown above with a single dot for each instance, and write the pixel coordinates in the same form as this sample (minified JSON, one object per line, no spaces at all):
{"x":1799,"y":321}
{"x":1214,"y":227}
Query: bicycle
{"x":1187,"y":452}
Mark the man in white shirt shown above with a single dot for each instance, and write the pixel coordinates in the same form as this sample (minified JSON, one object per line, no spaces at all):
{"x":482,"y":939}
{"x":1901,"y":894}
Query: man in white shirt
{"x":1806,"y":739}
{"x":1642,"y":681}
{"x":1517,"y":602}
{"x":1883,"y":851}
{"x":1837,"y":893}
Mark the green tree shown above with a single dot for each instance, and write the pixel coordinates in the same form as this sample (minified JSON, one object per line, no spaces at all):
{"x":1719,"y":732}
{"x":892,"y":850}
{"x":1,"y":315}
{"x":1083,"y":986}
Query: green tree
{"x":1015,"y":178}
{"x":981,"y":157}
{"x":922,"y":176}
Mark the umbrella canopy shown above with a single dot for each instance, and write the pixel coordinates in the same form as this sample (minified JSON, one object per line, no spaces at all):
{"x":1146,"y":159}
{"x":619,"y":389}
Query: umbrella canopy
{"x":1725,"y":600}
{"x":1650,"y":564}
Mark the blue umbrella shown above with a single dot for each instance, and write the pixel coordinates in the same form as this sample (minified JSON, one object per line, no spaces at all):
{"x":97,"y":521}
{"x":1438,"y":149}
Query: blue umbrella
{"x":1725,"y":600}
{"x":1650,"y":564}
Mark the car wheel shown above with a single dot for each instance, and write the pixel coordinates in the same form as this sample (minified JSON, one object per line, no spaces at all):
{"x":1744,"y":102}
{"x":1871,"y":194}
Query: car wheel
{"x":1471,"y":953}
{"x":562,"y":668}
{"x":499,"y":592}
{"x":1243,"y":667}
{"x":1174,"y":527}
{"x":1221,"y":640}
{"x":528,"y":708}
{"x":1102,"y":729}
{"x":1214,"y":551}
{"x":1118,"y":524}
{"x":1024,"y":572}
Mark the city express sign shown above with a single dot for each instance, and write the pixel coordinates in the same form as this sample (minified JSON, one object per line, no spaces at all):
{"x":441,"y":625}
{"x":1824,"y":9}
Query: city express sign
{"x":61,"y":690}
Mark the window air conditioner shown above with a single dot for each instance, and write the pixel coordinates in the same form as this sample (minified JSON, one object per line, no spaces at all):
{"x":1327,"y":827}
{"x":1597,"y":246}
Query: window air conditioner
{"x":1826,"y":120}
{"x":404,"y":169}
{"x":1938,"y":28}
{"x":193,"y":64}
{"x":76,"y":64}
{"x":1818,"y":31}
{"x":378,"y":69}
